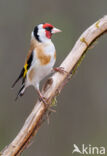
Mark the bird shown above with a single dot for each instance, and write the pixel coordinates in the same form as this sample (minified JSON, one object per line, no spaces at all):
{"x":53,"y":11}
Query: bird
{"x":40,"y":60}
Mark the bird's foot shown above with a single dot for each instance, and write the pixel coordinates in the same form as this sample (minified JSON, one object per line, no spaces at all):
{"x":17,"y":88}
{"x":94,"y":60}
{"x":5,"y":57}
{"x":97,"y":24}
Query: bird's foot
{"x":60,"y":69}
{"x":46,"y":105}
{"x":43,"y":99}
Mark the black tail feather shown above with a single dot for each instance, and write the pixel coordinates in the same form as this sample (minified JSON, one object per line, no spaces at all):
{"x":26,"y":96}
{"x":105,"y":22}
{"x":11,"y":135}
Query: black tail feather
{"x":20,"y":76}
{"x":15,"y":82}
{"x":20,"y":93}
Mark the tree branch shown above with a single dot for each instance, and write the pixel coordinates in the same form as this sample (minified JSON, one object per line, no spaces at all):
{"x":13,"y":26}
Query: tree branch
{"x":53,"y":87}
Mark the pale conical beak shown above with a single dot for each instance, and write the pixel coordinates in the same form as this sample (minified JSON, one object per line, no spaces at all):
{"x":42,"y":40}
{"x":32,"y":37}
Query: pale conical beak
{"x":55,"y":30}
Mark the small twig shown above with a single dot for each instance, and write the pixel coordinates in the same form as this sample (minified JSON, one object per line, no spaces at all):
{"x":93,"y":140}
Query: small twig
{"x":53,"y":87}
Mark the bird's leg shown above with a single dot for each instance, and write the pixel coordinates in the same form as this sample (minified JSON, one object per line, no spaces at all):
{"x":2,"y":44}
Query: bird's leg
{"x":60,"y":69}
{"x":42,"y":98}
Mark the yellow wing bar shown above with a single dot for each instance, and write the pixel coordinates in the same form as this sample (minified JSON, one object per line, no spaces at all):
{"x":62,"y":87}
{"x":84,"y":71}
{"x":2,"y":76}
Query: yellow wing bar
{"x":25,"y":70}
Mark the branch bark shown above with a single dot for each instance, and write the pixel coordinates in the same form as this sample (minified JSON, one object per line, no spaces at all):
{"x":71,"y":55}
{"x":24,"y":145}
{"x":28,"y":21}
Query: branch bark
{"x":53,"y":87}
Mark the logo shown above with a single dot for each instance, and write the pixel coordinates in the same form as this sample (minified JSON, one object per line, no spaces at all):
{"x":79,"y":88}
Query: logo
{"x":88,"y":150}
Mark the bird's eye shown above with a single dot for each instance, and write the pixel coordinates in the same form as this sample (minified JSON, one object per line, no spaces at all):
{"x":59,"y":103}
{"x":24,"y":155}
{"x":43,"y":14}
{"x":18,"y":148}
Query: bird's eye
{"x":48,"y":28}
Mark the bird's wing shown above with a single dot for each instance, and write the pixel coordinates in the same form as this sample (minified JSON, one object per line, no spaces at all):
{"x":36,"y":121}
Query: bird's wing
{"x":24,"y":70}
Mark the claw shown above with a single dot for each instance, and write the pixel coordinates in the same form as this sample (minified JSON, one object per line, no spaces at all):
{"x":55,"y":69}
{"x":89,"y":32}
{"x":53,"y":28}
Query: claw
{"x":60,"y":69}
{"x":42,"y":98}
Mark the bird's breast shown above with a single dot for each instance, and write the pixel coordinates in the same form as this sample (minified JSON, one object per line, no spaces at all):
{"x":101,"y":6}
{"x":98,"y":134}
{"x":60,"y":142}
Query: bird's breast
{"x":46,"y":54}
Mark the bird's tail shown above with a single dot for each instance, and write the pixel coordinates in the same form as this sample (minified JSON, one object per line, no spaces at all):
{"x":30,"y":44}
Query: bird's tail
{"x":19,"y":77}
{"x":20,"y":92}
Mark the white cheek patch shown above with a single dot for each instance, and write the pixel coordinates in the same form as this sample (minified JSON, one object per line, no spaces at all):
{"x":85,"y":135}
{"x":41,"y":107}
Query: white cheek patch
{"x":42,"y":35}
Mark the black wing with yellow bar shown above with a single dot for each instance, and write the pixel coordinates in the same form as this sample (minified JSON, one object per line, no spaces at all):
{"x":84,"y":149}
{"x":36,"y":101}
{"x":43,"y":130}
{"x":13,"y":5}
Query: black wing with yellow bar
{"x":24,"y":70}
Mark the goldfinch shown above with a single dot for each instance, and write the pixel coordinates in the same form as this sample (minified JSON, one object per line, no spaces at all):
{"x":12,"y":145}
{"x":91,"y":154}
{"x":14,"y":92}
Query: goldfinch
{"x":40,"y":59}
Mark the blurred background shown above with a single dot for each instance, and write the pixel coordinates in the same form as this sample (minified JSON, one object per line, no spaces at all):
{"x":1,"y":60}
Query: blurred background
{"x":81,"y":116}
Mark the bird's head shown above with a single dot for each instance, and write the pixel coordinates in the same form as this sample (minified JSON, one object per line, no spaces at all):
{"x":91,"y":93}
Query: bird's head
{"x":43,"y":32}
